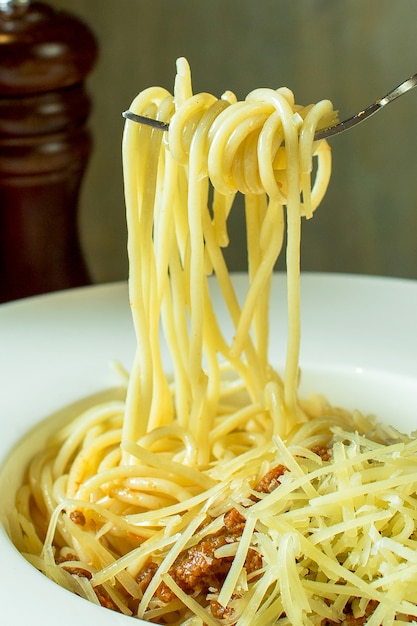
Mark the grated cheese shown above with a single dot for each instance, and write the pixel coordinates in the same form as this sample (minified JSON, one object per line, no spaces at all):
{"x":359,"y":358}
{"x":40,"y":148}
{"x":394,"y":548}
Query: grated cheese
{"x":342,"y":531}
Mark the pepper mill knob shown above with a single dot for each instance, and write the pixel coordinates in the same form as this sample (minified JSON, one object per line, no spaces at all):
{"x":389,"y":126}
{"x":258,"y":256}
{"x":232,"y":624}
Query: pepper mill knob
{"x":45,"y":56}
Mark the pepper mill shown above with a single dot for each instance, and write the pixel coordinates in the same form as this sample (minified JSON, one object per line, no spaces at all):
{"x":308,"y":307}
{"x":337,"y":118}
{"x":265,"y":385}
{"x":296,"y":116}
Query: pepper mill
{"x":45,"y":56}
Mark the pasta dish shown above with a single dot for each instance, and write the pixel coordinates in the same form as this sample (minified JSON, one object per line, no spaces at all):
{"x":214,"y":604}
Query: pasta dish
{"x":208,"y":492}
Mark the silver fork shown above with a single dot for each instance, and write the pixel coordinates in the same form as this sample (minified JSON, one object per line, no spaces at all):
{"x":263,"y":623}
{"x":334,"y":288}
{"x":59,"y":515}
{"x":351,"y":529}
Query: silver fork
{"x":324,"y":133}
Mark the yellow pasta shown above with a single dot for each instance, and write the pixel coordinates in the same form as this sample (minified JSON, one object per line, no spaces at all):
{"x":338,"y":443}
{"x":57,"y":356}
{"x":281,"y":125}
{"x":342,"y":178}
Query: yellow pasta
{"x":210,"y":493}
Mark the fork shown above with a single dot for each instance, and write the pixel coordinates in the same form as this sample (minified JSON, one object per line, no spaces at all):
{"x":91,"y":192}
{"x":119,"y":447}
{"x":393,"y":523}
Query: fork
{"x":325,"y":133}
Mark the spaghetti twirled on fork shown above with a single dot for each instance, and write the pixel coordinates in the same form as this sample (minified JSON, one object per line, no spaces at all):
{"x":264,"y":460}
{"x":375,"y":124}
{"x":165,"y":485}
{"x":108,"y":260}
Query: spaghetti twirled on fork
{"x":212,"y":493}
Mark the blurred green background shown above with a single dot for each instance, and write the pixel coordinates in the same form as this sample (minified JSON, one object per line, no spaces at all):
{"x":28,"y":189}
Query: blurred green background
{"x":350,"y":51}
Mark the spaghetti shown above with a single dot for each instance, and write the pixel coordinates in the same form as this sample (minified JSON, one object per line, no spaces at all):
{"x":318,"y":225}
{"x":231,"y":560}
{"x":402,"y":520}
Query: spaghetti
{"x":215,"y":495}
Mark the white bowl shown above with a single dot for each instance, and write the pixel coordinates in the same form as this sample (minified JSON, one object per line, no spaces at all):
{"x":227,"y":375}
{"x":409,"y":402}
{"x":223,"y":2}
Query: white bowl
{"x":359,"y":348}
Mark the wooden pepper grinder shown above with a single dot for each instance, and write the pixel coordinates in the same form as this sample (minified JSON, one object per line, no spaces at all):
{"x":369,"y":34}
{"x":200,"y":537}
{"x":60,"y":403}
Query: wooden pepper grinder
{"x":45,"y":55}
